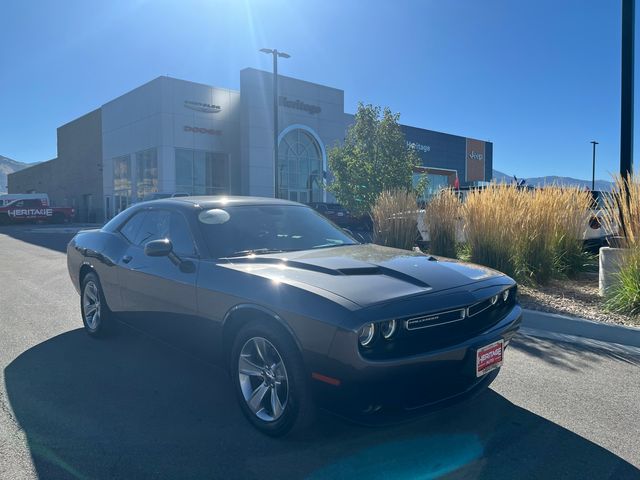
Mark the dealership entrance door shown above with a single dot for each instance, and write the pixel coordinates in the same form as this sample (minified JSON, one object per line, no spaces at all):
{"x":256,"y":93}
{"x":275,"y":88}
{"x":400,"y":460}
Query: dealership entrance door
{"x":300,"y":174}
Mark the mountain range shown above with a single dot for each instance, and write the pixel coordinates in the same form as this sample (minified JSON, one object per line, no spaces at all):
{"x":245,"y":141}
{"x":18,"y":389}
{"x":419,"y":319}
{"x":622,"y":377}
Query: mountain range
{"x":603,"y":185}
{"x":7,"y":166}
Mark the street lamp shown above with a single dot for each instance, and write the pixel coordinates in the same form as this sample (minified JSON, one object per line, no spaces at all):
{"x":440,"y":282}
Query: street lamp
{"x":593,"y":170}
{"x":275,"y":53}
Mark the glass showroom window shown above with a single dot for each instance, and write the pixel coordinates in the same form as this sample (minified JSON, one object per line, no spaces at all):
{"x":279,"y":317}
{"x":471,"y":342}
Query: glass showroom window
{"x":201,"y":173}
{"x":146,"y":172}
{"x":121,"y":183}
{"x":300,"y":176}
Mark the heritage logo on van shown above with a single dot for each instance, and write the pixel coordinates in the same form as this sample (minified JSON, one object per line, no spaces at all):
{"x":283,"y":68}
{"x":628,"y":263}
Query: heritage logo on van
{"x":299,"y":105}
{"x":31,"y":212}
{"x":202,"y":107}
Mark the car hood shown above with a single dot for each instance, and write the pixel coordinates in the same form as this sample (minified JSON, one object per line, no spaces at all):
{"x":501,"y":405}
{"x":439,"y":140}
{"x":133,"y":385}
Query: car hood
{"x":364,"y":274}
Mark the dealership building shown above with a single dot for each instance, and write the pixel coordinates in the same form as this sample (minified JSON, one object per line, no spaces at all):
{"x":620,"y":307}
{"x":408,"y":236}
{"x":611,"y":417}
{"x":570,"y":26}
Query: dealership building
{"x":171,"y":135}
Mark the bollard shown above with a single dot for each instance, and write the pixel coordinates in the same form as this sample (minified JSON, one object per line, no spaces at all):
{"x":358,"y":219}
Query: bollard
{"x":610,"y":261}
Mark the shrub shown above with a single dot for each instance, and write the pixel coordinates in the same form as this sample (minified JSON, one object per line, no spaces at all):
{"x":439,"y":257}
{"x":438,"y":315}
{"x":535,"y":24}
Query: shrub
{"x":624,"y":294}
{"x":531,"y":234}
{"x":441,"y":219}
{"x":488,"y":217}
{"x":395,"y":217}
{"x":572,"y":207}
{"x":622,"y":216}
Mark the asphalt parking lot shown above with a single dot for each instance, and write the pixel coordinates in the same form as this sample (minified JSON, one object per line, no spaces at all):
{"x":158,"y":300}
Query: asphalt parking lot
{"x":131,"y":407}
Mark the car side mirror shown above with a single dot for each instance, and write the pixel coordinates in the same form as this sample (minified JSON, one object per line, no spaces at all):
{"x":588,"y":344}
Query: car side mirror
{"x":158,"y":248}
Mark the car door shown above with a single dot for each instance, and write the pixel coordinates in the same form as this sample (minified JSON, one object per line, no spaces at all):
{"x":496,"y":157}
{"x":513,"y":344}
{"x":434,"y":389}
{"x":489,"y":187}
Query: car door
{"x":155,"y":288}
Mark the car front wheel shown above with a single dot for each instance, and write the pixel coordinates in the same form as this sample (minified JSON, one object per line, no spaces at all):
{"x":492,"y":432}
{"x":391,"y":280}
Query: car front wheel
{"x":270,"y":380}
{"x":96,"y":316}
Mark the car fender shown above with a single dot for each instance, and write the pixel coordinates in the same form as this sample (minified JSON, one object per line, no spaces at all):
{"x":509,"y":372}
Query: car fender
{"x":252,"y":307}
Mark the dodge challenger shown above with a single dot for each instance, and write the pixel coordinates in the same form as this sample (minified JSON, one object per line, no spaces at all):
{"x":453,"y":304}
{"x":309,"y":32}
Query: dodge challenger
{"x":300,"y":313}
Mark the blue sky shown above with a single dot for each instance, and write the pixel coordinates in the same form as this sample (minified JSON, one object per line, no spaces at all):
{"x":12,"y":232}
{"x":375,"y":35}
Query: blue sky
{"x":540,"y":79}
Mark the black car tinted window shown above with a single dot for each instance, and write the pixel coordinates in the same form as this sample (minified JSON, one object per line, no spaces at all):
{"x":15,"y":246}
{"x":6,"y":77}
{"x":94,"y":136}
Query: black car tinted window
{"x":180,"y":235}
{"x":130,"y":229}
{"x":234,"y":230}
{"x":155,"y":226}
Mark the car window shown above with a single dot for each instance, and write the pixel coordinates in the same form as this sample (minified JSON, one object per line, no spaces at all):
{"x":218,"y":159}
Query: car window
{"x":155,"y":226}
{"x":180,"y":235}
{"x":158,"y":224}
{"x":265,"y":228}
{"x":131,"y":228}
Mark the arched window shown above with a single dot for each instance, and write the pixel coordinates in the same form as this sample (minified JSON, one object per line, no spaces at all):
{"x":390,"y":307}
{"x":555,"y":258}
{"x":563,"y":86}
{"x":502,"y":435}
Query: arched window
{"x":300,"y":176}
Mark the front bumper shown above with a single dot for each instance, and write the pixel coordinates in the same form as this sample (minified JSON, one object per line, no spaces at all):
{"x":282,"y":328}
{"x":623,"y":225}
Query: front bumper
{"x":408,"y":384}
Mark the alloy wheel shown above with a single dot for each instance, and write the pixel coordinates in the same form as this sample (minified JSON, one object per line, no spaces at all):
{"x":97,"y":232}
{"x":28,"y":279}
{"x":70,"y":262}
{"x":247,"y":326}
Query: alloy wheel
{"x":91,"y":305}
{"x":263,"y":379}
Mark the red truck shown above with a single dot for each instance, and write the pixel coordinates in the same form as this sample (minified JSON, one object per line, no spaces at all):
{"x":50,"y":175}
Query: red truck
{"x":34,"y":210}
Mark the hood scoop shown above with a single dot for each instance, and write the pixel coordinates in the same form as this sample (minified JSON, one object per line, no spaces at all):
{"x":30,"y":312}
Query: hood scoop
{"x":353,"y":271}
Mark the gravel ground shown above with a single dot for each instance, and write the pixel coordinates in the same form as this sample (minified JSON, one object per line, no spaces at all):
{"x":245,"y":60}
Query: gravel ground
{"x":577,"y":297}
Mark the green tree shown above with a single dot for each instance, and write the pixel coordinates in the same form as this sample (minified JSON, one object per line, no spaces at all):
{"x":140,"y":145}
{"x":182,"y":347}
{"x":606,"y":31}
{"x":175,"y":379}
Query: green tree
{"x":374,"y":158}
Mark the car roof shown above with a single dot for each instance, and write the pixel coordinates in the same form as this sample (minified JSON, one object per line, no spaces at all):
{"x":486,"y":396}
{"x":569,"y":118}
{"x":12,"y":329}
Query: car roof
{"x":220,"y":201}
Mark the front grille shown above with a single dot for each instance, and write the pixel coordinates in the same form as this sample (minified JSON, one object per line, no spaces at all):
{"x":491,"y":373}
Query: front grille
{"x":436,"y":319}
{"x":441,"y":329}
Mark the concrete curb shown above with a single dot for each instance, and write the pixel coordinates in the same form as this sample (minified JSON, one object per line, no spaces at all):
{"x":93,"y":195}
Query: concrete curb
{"x":581,"y":327}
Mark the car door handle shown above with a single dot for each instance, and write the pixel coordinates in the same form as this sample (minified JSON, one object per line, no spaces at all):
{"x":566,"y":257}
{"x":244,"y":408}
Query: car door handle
{"x":127,"y":259}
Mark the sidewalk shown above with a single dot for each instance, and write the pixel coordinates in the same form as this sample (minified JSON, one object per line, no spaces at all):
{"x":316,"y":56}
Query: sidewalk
{"x":580,"y":327}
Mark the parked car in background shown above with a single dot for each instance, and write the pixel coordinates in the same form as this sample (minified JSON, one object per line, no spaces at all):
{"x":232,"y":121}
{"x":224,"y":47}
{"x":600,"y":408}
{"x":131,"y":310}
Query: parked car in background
{"x":161,"y":195}
{"x":34,"y":210}
{"x":595,"y":233}
{"x":299,"y":312}
{"x":10,"y":197}
{"x":341,"y":216}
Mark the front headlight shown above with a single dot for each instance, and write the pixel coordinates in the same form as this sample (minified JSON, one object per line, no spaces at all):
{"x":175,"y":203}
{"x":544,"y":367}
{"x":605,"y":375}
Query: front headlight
{"x":366,"y":334}
{"x":505,"y":295}
{"x":388,"y":328}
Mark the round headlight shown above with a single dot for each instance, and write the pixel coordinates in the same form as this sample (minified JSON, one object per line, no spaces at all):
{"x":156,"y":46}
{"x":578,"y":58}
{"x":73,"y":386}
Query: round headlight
{"x":494,"y":299}
{"x":365,"y":337}
{"x":505,"y":295}
{"x":388,"y":328}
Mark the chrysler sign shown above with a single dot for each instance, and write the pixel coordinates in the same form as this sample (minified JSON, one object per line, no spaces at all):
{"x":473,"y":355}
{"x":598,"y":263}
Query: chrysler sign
{"x":202,"y":107}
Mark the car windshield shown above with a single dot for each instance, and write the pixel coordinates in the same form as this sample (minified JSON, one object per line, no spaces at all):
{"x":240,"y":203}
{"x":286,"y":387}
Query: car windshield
{"x":260,"y":229}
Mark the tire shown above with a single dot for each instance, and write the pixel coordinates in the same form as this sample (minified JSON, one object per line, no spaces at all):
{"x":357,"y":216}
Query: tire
{"x":91,"y":295}
{"x":296,"y":409}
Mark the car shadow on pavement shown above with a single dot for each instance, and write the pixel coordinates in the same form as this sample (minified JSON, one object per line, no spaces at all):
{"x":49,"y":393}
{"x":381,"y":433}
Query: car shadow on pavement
{"x":575,"y":356}
{"x":130,"y":407}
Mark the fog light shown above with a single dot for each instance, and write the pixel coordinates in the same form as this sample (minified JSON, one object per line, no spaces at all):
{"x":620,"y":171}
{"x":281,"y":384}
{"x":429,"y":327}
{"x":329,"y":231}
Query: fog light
{"x":388,"y":328}
{"x":365,"y":337}
{"x":505,"y":295}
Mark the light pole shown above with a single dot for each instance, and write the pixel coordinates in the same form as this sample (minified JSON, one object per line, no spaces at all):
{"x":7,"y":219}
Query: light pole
{"x":275,"y":53}
{"x":593,"y":170}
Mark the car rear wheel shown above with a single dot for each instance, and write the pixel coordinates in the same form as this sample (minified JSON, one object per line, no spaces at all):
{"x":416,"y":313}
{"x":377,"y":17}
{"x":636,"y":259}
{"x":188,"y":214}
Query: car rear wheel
{"x":97,"y":318}
{"x":270,"y":380}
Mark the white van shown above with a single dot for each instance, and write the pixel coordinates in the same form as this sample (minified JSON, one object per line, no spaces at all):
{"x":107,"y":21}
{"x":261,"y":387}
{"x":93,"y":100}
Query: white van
{"x":10,"y":197}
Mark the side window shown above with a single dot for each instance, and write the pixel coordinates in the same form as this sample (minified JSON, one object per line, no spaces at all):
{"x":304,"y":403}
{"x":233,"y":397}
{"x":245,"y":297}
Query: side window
{"x":18,"y":203}
{"x":180,"y":235}
{"x":33,"y":203}
{"x":155,"y":226}
{"x":132,"y":227}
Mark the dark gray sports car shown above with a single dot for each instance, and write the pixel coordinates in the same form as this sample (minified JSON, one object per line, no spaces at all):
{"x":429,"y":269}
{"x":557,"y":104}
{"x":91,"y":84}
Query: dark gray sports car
{"x":298,"y":311}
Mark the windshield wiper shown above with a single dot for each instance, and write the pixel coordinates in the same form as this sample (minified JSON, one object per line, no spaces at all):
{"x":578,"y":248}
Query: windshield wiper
{"x":330,"y":245}
{"x":258,"y":251}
